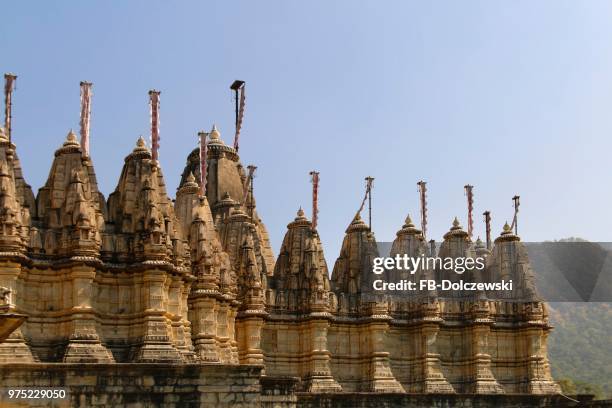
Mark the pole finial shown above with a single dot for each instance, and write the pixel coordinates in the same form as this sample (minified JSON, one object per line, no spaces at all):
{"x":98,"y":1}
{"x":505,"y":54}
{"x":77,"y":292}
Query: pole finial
{"x":238,"y":87}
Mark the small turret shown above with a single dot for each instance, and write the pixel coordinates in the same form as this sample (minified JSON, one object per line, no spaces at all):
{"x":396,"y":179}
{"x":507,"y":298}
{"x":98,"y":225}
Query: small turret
{"x":456,"y":244}
{"x":300,"y":275}
{"x":140,"y":213}
{"x":509,"y":261}
{"x":10,"y":213}
{"x":70,"y":205}
{"x":352,"y":274}
{"x":409,"y":241}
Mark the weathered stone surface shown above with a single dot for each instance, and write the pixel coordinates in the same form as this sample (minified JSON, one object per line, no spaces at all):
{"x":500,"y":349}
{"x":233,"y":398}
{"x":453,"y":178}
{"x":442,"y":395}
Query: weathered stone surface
{"x":139,"y":385}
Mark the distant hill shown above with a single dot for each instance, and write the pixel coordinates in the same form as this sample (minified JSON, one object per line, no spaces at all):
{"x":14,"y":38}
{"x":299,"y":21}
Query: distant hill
{"x":580,"y":347}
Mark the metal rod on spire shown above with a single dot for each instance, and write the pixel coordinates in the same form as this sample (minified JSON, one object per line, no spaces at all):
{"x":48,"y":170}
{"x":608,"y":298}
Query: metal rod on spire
{"x":369,"y":181}
{"x":203,"y":165}
{"x":470,"y":202}
{"x":154,"y":103}
{"x":238,"y":87}
{"x":315,"y":198}
{"x":252,"y":169}
{"x":487,"y":218}
{"x":9,"y":81}
{"x":432,"y":247}
{"x":247,"y":184}
{"x":85,"y":116}
{"x":516,"y":204}
{"x":423,"y":197}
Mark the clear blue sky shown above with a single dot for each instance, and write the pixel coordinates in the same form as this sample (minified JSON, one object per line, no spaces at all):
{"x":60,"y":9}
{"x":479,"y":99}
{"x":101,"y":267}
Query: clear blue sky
{"x":512,"y":97}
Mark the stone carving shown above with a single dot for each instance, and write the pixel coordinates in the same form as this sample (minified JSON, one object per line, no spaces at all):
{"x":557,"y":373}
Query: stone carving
{"x":4,"y":296}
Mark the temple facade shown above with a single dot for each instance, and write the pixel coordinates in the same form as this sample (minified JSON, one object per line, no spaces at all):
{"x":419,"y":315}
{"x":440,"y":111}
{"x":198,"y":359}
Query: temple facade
{"x":142,"y":278}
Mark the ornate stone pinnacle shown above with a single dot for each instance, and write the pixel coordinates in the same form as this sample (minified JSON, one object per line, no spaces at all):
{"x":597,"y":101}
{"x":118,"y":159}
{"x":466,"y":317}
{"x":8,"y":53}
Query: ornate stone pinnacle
{"x":141,"y":146}
{"x":214,"y":134}
{"x":456,"y":224}
{"x":507,"y":229}
{"x":71,"y":139}
{"x":300,"y":213}
{"x":408,"y":222}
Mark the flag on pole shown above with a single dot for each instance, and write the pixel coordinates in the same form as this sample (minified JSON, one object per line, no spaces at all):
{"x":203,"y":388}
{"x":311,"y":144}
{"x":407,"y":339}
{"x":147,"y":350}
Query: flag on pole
{"x":315,"y":198}
{"x":203,"y":164}
{"x":9,"y":81}
{"x":85,"y":116}
{"x":423,"y":195}
{"x":240,"y":116}
{"x":247,"y":183}
{"x":470,"y":200}
{"x":154,"y":103}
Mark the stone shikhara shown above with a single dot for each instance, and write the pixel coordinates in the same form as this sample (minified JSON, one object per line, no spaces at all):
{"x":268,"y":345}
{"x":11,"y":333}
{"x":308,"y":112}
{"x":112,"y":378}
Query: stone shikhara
{"x":139,"y":278}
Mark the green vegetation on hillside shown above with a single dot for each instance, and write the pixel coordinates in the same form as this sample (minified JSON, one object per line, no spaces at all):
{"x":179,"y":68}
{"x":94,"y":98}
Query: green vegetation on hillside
{"x":580,"y":347}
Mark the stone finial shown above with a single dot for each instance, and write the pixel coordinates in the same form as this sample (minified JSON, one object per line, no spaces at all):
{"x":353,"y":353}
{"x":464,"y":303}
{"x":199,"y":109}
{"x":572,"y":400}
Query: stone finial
{"x":191,"y":181}
{"x":215,"y":135}
{"x":300,"y":214}
{"x":479,"y":244}
{"x":71,"y":139}
{"x":408,"y":228}
{"x":456,"y":224}
{"x":408,"y":222}
{"x":141,"y":145}
{"x":507,"y":234}
{"x":357,"y":224}
{"x":456,"y":230}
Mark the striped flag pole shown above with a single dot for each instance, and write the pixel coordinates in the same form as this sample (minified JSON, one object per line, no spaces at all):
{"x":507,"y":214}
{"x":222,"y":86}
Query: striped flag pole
{"x":203,"y":164}
{"x":154,"y":103}
{"x":423,"y":196}
{"x":315,"y":198}
{"x":9,"y":81}
{"x":239,"y":88}
{"x":85,"y":116}
{"x":470,"y":201}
